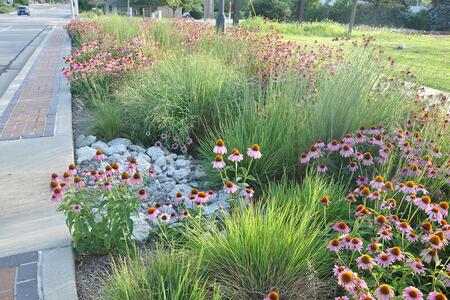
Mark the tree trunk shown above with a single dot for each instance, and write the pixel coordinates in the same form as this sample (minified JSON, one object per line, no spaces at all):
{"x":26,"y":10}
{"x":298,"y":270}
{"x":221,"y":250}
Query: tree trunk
{"x":352,"y":16}
{"x":236,"y":15}
{"x":301,"y":10}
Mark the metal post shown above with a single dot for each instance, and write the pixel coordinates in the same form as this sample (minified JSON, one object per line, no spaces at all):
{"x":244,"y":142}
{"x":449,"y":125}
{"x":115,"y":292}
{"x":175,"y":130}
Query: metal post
{"x":220,"y":21}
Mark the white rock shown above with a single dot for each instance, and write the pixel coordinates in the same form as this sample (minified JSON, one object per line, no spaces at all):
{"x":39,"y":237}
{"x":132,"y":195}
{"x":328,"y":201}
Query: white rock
{"x":100,"y":145}
{"x":83,"y":141}
{"x":167,"y":186}
{"x":155,"y":153}
{"x":173,"y":156}
{"x":136,"y":148}
{"x":209,"y":210}
{"x":117,"y":149}
{"x":161,"y":161}
{"x":141,"y":228}
{"x":182,"y":163}
{"x":120,"y":141}
{"x":84,"y":154}
{"x":181,"y":174}
{"x":144,"y":157}
{"x":142,"y":164}
{"x":157,"y":169}
{"x":183,"y":188}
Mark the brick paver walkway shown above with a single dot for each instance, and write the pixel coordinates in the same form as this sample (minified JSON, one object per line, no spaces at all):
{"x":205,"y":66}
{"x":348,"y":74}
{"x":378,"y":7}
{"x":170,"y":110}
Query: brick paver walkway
{"x":32,"y":111}
{"x":18,"y":277}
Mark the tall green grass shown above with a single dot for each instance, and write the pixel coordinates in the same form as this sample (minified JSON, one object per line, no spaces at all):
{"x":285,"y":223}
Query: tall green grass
{"x":180,"y":95}
{"x":272,"y":245}
{"x":162,"y":274}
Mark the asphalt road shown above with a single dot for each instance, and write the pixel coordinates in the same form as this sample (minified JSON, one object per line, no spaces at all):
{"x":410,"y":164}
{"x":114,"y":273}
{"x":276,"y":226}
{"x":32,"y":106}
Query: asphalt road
{"x":21,"y":35}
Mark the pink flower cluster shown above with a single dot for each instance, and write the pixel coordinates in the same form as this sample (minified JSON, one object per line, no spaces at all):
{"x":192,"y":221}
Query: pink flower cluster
{"x":99,"y":57}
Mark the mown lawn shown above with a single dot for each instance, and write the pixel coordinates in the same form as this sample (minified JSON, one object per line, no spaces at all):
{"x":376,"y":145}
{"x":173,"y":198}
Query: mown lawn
{"x":428,"y":57}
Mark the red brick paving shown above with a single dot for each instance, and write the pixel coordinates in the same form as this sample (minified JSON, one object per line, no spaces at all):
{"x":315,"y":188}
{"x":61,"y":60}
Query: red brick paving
{"x":30,"y":114}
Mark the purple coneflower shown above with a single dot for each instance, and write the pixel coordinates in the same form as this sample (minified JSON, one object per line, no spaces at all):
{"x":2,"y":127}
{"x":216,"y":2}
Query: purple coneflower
{"x":125,"y":178}
{"x":304,"y":158}
{"x":142,"y":194}
{"x":218,"y":162}
{"x":436,"y":296}
{"x":99,"y":155}
{"x":396,"y":253}
{"x":341,"y":227}
{"x":151,"y":172}
{"x":163,"y":136}
{"x":76,"y":208}
{"x":78,"y":182}
{"x":367,"y":159}
{"x":272,"y":296}
{"x":57,"y":194}
{"x":429,"y":255}
{"x":346,"y":151}
{"x":385,"y":234}
{"x":152,"y":213}
{"x":164,"y":218}
{"x":347,"y":279}
{"x":333,"y":146}
{"x":322,"y":168}
{"x":355,"y":244}
{"x":377,"y":183}
{"x":365,"y":262}
{"x":158,"y":144}
{"x":235,"y":155}
{"x":211,"y":194}
{"x":254,"y":152}
{"x":179,"y":197}
{"x":423,"y":202}
{"x":219,"y":147}
{"x":341,"y":298}
{"x":385,"y":259}
{"x":412,"y":293}
{"x":247,"y":192}
{"x":334,"y":245}
{"x":175,"y":146}
{"x":362,"y":180}
{"x":136,"y":179}
{"x":408,"y":188}
{"x":314,"y":152}
{"x":385,"y":292}
{"x":72,"y":169}
{"x":202,"y":197}
{"x":229,"y":188}
{"x":319,"y":144}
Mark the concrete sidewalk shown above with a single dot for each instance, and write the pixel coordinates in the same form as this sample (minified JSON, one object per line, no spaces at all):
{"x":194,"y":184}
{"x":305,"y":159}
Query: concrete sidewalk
{"x":36,"y":260}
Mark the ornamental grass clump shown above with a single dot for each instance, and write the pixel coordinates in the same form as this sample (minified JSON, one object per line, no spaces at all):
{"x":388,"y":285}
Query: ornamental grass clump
{"x":161,"y":274}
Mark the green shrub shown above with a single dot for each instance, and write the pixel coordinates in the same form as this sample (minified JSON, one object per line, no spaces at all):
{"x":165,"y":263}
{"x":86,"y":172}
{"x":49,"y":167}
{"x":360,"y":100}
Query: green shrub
{"x":159,"y":275}
{"x":270,"y":246}
{"x":179,"y":96}
{"x":5,"y":9}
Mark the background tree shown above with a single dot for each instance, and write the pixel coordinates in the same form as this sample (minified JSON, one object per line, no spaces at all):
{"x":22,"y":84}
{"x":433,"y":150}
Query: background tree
{"x":301,"y":10}
{"x":185,"y":5}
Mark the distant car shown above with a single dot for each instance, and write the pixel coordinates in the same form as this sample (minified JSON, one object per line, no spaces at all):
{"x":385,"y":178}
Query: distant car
{"x":23,"y":10}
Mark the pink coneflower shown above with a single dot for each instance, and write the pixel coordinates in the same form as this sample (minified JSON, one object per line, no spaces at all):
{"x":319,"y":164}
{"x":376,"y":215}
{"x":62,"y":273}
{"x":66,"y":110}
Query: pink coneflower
{"x":76,"y":209}
{"x":436,"y":296}
{"x":408,"y":188}
{"x":347,"y":279}
{"x":184,"y":215}
{"x":436,"y":152}
{"x":360,"y":137}
{"x":412,"y":237}
{"x":385,"y":292}
{"x":229,"y":188}
{"x":373,"y":248}
{"x":359,"y":155}
{"x":375,"y":195}
{"x":333,"y":146}
{"x":53,"y":185}
{"x":377,"y":183}
{"x":385,"y":259}
{"x":235,"y":156}
{"x":341,"y":298}
{"x":151,"y":172}
{"x":355,"y":244}
{"x":158,"y":144}
{"x":437,"y":241}
{"x":322,"y":168}
{"x":211,"y":194}
{"x":142,"y":194}
{"x":385,"y":234}
{"x":423,"y":202}
{"x":350,"y":198}
{"x":179,"y":197}
{"x":78,"y":182}
{"x":338,"y":270}
{"x":57,"y":194}
{"x":202,"y":197}
{"x":131,"y":166}
{"x":136,"y":179}
{"x":109,"y":171}
{"x":421,"y":188}
{"x":348,"y":139}
{"x":175,"y":146}
{"x":304,"y":158}
{"x":99,"y":155}
{"x":247,"y":192}
{"x":319,"y":144}
{"x":67,"y":176}
{"x":352,"y":166}
{"x":314,"y":152}
{"x":218,"y":162}
{"x":86,"y":172}
{"x":115,"y":168}
{"x":434,"y":213}
{"x":72,"y":169}
{"x":341,"y":227}
{"x":384,"y":152}
{"x":429,"y":255}
{"x":396,"y":253}
{"x":152,"y":213}
{"x":412,"y":293}
{"x":334,"y":245}
{"x":443,"y":208}
{"x":219,"y":147}
{"x":365,"y":262}
{"x":272,"y":296}
{"x":164,"y":218}
{"x":404,"y":227}
{"x":125,"y":178}
{"x":107,"y":185}
{"x":367,"y":159}
{"x":362,"y":180}
{"x":346,"y":151}
{"x":64,"y":187}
